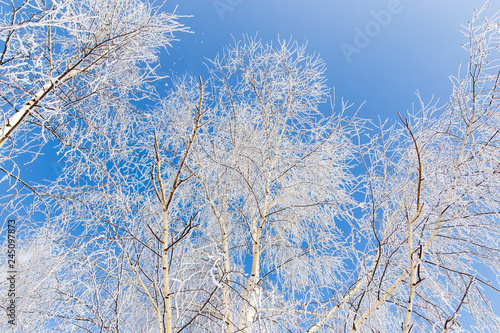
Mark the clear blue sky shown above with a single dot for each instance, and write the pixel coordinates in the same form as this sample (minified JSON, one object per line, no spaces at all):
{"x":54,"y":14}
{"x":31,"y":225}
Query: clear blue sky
{"x":418,"y":49}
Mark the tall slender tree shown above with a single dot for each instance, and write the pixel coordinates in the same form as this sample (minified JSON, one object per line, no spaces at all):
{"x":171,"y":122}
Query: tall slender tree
{"x":63,"y":63}
{"x":432,"y":206}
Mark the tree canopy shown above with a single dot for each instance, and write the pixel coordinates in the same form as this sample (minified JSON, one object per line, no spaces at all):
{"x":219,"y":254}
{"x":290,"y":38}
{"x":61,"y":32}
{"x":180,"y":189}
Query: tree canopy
{"x":234,"y":204}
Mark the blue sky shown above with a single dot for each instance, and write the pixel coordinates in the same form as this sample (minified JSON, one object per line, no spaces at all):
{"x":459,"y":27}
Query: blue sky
{"x":417,"y":49}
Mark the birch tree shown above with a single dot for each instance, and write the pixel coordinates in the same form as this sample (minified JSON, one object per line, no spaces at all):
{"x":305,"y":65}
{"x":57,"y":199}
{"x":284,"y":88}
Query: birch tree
{"x":108,"y":227}
{"x":205,"y":216}
{"x":275,"y":180}
{"x":65,"y":62}
{"x":64,"y":65}
{"x":432,"y":234}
